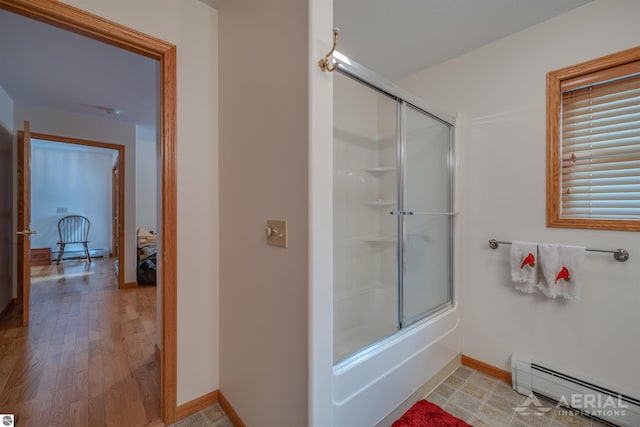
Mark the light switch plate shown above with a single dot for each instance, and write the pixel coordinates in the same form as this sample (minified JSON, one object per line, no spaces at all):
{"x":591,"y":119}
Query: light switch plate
{"x":276,"y":232}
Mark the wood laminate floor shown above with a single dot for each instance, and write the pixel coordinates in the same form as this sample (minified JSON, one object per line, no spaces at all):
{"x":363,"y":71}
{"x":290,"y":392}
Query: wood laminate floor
{"x":88,"y":357}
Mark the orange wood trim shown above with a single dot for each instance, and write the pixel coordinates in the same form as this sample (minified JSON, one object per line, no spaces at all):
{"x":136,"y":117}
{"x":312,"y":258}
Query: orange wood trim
{"x":72,"y":19}
{"x":77,"y":141}
{"x":555,"y":80}
{"x":601,"y":76}
{"x":84,"y":23}
{"x":115,"y":236}
{"x":169,"y":236}
{"x":198,"y":404}
{"x":9,"y":304}
{"x":24,"y":218}
{"x":129,"y":285}
{"x":231,"y":413}
{"x":20,"y":221}
{"x":599,"y":64}
{"x":485,"y":368}
{"x":596,"y":224}
{"x":553,"y":158}
{"x":122,"y":250}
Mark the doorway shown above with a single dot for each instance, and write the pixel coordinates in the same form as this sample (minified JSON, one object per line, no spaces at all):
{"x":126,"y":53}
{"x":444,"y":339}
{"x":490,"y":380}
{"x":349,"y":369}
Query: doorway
{"x":117,"y":209}
{"x":53,"y":177}
{"x":88,"y":25}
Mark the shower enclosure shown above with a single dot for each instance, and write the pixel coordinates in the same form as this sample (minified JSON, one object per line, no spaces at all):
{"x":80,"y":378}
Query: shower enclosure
{"x":393,"y":211}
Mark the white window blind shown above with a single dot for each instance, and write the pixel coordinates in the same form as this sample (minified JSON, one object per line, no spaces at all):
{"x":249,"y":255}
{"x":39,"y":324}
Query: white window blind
{"x":600,"y":150}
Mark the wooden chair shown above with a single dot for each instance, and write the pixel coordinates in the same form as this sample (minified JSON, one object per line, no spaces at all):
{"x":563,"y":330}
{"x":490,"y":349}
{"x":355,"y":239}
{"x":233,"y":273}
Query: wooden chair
{"x":73,"y":229}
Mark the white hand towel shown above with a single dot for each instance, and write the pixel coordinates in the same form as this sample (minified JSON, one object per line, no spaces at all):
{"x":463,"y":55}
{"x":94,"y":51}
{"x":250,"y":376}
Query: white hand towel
{"x":524,"y":261}
{"x":562,"y":270}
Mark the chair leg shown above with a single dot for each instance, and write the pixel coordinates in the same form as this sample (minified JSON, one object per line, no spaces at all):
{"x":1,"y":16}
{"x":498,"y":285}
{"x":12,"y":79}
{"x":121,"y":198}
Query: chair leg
{"x":60,"y":253}
{"x":86,"y":252}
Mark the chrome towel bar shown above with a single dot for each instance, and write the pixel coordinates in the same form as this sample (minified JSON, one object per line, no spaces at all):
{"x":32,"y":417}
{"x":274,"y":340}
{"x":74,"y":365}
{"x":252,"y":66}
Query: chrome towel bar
{"x":619,"y":254}
{"x":422,"y":213}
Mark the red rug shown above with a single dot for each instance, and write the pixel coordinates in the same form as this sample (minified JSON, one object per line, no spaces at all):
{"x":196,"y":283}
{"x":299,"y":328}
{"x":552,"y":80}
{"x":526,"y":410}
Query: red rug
{"x":427,"y":414}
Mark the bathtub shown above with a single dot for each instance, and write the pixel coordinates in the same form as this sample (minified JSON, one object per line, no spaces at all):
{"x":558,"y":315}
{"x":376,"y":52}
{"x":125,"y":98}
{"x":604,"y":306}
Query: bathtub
{"x":361,"y":317}
{"x":371,"y":384}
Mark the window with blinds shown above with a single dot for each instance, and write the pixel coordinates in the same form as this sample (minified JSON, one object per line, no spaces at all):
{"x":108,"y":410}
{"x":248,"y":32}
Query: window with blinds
{"x":593,"y":147}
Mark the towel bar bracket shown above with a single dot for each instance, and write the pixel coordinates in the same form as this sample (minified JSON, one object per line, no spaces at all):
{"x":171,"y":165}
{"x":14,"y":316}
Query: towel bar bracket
{"x":620,"y":254}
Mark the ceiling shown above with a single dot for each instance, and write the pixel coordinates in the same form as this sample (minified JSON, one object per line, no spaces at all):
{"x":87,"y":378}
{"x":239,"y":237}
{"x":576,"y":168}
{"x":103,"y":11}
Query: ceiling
{"x":42,"y":65}
{"x":397,"y":38}
{"x":45,"y":66}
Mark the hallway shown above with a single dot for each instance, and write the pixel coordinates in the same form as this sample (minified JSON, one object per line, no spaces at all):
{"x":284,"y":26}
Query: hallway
{"x":88,"y":355}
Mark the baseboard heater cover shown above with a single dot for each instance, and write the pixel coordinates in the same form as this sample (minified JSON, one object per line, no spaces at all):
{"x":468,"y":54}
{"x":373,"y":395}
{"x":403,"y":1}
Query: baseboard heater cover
{"x":581,"y":395}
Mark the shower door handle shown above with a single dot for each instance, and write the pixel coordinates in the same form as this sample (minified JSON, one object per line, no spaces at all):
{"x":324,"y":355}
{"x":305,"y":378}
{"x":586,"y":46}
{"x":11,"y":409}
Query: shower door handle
{"x":400,"y":213}
{"x":434,"y":213}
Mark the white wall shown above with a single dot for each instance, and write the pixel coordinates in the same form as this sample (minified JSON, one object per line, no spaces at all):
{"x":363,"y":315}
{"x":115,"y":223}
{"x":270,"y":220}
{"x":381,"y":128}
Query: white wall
{"x":146,"y":183}
{"x":6,"y":110}
{"x":6,"y":187}
{"x":74,"y":178}
{"x":500,"y":89}
{"x":193,"y":27}
{"x":263,"y":175}
{"x":75,"y":125}
{"x":320,"y":226}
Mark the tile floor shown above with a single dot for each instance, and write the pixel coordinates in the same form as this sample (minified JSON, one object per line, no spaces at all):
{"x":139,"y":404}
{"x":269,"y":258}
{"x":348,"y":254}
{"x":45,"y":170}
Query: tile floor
{"x":213,"y":416}
{"x":478,"y":399}
{"x":481,"y":401}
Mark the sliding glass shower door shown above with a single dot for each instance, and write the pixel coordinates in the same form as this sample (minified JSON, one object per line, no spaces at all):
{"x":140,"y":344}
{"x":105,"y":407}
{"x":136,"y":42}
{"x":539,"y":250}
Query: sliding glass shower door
{"x":426,"y":223}
{"x":364,"y":234}
{"x":392,"y":214}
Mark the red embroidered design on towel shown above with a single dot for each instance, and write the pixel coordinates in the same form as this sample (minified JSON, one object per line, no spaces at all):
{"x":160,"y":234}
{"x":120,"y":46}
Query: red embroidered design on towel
{"x":529,"y":260}
{"x":564,"y":274}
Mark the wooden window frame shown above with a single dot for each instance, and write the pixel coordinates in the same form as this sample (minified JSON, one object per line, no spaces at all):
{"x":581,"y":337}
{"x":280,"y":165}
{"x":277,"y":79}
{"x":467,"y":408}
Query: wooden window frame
{"x":607,"y":67}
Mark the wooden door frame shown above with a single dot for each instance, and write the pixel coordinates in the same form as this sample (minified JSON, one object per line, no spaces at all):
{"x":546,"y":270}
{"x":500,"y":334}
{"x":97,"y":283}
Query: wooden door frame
{"x":115,"y":197}
{"x":24,"y":221}
{"x":120,"y":164}
{"x":86,"y":24}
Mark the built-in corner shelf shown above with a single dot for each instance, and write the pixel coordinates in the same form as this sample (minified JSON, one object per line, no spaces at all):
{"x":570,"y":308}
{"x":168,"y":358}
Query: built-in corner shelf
{"x":379,"y":239}
{"x":380,"y":170}
{"x":380,"y":202}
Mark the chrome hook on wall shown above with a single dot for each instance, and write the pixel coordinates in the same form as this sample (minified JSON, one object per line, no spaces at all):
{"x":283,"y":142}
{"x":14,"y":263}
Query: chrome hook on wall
{"x":327,"y":64}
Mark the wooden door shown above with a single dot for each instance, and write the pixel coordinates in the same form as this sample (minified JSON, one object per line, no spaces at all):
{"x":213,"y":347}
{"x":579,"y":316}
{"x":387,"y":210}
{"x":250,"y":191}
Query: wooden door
{"x":115,"y":210}
{"x":24,"y":220}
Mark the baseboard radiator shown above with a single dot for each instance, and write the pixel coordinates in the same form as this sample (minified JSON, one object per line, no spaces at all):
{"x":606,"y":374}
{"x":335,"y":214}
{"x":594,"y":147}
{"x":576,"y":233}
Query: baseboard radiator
{"x":581,"y":395}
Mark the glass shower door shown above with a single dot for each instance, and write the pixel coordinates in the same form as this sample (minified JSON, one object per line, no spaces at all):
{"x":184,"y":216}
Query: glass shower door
{"x":364,"y":191}
{"x":392,"y":214}
{"x":426,"y":225}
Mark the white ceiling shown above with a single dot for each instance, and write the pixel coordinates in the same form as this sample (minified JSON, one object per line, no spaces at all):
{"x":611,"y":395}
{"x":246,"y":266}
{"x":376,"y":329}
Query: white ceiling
{"x":397,"y":38}
{"x":43,"y":65}
{"x":47,"y":66}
